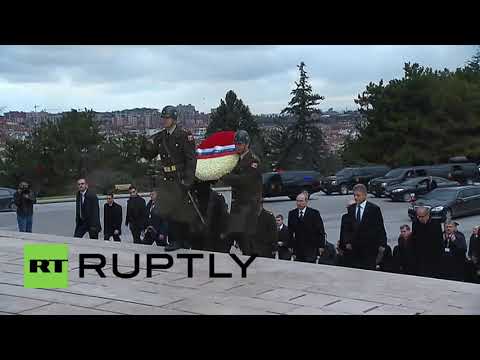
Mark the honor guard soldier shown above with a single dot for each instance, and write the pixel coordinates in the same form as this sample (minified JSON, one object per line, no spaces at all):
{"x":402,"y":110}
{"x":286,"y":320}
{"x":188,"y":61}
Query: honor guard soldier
{"x":174,"y":147}
{"x":246,"y":182}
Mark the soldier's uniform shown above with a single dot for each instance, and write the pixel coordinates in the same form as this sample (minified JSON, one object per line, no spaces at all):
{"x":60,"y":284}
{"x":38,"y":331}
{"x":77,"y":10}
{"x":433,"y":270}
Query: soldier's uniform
{"x":175,"y":150}
{"x":246,"y":182}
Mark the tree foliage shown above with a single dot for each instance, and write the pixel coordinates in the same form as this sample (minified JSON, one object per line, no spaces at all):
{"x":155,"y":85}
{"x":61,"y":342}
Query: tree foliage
{"x":232,"y":115}
{"x":425,"y":117}
{"x":301,"y":145}
{"x":58,"y":153}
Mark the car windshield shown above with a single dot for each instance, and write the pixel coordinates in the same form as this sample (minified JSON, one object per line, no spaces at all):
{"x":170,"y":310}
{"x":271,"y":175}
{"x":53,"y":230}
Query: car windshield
{"x":345,"y":172}
{"x":395,"y":173}
{"x":441,"y":194}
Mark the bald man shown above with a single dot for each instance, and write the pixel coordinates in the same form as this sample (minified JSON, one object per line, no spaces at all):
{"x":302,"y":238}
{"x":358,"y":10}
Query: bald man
{"x":307,"y":233}
{"x":427,"y":243}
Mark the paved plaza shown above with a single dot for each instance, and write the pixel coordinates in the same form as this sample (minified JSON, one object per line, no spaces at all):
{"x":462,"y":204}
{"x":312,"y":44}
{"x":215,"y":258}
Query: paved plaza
{"x":271,"y":286}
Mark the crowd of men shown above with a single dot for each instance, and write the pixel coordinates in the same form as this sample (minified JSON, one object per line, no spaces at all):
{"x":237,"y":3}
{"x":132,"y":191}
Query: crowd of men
{"x":184,"y":212}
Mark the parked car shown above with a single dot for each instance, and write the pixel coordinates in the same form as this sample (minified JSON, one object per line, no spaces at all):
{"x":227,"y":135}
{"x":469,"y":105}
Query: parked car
{"x":347,"y":178}
{"x":464,"y":173}
{"x":449,"y":203}
{"x":377,"y":186}
{"x":6,"y":199}
{"x":416,"y":186}
{"x":290,"y":183}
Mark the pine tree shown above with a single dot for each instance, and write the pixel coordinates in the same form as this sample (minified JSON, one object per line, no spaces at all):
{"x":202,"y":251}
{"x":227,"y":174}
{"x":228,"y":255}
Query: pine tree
{"x":233,"y":115}
{"x":302,"y":145}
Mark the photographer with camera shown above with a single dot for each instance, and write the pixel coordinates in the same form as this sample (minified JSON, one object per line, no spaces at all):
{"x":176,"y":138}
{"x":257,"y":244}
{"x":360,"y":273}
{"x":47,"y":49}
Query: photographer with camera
{"x":24,"y":199}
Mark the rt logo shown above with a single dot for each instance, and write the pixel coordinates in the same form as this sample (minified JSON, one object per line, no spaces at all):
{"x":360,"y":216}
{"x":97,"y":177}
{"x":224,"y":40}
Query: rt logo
{"x":45,"y":266}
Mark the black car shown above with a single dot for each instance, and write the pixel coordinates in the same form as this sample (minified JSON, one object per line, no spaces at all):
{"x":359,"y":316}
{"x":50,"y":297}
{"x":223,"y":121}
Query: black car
{"x":449,"y":203}
{"x":347,"y":178}
{"x":464,"y":173}
{"x":416,"y":186}
{"x":377,"y":186}
{"x":6,"y":199}
{"x":290,"y":183}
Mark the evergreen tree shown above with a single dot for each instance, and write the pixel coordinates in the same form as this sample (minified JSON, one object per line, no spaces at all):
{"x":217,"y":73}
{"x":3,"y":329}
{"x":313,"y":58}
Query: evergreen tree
{"x":425,"y":117}
{"x":301,"y":146}
{"x":233,"y":115}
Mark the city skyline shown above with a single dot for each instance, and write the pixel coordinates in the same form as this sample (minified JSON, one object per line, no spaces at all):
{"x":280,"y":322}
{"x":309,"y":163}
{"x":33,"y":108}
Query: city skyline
{"x":111,"y":78}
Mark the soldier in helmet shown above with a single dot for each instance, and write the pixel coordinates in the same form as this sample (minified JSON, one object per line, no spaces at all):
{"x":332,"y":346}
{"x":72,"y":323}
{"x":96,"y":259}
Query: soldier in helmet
{"x":174,"y":147}
{"x":246,"y":182}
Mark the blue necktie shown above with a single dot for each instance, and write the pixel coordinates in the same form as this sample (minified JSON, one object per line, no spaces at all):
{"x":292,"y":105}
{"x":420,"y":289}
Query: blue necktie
{"x":358,"y":214}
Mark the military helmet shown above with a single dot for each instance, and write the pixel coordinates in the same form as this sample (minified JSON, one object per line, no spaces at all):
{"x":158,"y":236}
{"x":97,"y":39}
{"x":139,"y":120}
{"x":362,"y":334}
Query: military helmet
{"x":242,"y":137}
{"x":169,"y":111}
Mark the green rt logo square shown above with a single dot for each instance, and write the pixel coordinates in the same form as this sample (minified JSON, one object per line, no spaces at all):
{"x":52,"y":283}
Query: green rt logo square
{"x":45,"y":266}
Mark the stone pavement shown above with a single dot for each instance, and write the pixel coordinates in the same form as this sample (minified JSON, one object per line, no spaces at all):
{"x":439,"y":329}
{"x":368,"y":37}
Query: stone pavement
{"x":271,"y":286}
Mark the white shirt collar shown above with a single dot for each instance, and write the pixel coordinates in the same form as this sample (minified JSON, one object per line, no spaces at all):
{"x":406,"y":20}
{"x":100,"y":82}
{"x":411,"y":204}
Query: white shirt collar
{"x":83,"y":192}
{"x":281,"y":227}
{"x":362,"y":205}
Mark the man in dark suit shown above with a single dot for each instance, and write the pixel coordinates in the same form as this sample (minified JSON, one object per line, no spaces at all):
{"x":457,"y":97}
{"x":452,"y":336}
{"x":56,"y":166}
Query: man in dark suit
{"x":473,"y":264}
{"x":403,"y":260}
{"x":454,"y":257}
{"x":157,"y":228}
{"x":427,"y":243}
{"x":368,"y":235}
{"x":87,"y":217}
{"x":284,"y":253}
{"x":112,"y":219}
{"x":307,"y":233}
{"x":344,"y":245}
{"x":136,"y":214}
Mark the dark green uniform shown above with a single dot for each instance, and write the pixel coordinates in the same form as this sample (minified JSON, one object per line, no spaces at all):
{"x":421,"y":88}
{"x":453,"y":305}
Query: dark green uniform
{"x":177,"y":173}
{"x":246,"y":182}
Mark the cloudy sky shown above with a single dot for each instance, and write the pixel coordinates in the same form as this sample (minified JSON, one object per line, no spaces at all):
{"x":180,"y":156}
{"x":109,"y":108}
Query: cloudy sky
{"x":106,"y":78}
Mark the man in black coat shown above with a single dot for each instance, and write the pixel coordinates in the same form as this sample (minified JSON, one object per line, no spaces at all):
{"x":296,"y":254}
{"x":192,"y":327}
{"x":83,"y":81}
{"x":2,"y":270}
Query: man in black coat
{"x":87,"y":217}
{"x":473,"y":266}
{"x":454,"y":257}
{"x":385,"y":259}
{"x":344,"y":245}
{"x":213,"y":235}
{"x":283,"y":247}
{"x":136,"y":214}
{"x":403,"y":260}
{"x":307,"y":233}
{"x":427,"y":243}
{"x":157,"y":228}
{"x":112,"y":219}
{"x":367,"y":229}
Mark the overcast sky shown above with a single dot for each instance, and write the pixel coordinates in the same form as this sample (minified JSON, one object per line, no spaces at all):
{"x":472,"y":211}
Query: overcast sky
{"x":106,"y":78}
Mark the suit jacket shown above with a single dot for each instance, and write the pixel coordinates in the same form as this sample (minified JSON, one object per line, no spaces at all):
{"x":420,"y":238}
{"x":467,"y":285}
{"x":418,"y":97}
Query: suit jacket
{"x":346,"y":230}
{"x":136,"y":212}
{"x":474,"y":246}
{"x":154,"y":220}
{"x":308,"y":233}
{"x":266,"y":237}
{"x":368,"y":235}
{"x":427,"y":246}
{"x":90,"y":210}
{"x":284,"y":236}
{"x":112,"y":218}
